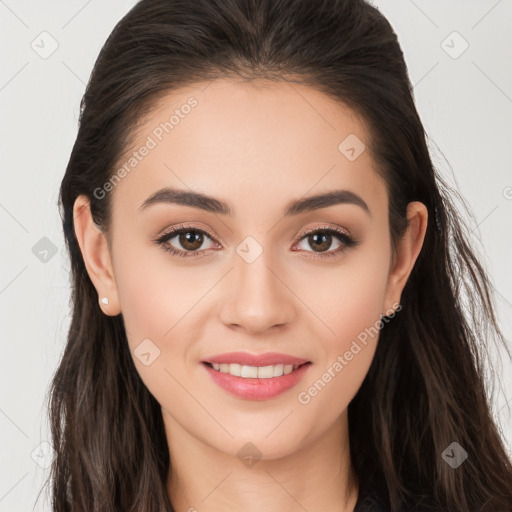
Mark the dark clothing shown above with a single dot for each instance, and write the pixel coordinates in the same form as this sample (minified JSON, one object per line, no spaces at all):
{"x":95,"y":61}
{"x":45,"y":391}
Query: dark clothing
{"x":369,"y":503}
{"x":372,"y":497}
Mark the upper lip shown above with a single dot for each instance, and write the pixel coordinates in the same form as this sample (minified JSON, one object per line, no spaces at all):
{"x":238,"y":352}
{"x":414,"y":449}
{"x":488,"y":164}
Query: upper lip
{"x":244,"y":358}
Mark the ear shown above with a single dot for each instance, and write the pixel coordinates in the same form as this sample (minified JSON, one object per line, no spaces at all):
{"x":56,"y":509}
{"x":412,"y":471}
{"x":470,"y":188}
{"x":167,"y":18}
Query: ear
{"x":96,"y":254}
{"x":406,"y":253}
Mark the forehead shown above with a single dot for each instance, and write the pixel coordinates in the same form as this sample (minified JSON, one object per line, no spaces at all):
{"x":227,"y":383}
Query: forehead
{"x":255,"y":145}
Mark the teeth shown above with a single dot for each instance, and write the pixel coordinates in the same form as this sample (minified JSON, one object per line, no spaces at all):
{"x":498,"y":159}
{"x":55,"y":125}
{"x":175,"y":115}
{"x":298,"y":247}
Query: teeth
{"x":253,"y":372}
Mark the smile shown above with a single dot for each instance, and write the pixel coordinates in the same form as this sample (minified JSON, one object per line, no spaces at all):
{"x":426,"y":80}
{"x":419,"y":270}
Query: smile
{"x":255,"y":372}
{"x":256,"y":382}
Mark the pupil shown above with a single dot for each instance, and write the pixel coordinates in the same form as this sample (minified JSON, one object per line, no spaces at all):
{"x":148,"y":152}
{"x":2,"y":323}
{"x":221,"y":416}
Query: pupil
{"x":192,"y":240}
{"x":321,"y":239}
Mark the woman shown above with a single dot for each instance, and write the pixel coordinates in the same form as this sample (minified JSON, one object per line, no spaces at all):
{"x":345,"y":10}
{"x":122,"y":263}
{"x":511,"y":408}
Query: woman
{"x":267,"y":276}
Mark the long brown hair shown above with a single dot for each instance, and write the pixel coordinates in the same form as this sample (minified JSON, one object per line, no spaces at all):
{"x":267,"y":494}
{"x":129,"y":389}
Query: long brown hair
{"x":425,"y":387}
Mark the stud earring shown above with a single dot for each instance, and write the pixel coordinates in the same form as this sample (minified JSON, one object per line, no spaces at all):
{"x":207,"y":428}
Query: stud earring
{"x":104,"y":300}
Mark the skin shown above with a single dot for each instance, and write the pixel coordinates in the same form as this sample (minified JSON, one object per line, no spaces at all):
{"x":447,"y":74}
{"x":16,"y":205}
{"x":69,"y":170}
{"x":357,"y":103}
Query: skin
{"x":257,"y":147}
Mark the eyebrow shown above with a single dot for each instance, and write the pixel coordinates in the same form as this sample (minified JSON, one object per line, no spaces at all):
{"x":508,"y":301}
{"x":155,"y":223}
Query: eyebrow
{"x":168,"y":195}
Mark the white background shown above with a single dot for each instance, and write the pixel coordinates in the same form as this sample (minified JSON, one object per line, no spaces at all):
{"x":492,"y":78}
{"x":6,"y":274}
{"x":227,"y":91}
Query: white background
{"x":465,"y":104}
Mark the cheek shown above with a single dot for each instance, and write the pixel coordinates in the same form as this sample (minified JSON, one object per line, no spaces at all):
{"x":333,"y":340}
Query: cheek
{"x":155,"y":294}
{"x":160,"y":301}
{"x":155,"y":299}
{"x":348,"y":299}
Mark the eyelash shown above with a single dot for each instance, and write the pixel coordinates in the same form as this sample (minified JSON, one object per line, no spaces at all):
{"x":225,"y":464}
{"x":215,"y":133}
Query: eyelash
{"x":345,"y":239}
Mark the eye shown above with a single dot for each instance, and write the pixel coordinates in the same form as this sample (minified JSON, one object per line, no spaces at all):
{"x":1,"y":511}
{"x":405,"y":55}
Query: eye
{"x":321,"y":238}
{"x":190,"y":238}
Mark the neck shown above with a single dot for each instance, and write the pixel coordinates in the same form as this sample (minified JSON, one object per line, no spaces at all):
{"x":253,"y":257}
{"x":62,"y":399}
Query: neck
{"x":317,"y":476}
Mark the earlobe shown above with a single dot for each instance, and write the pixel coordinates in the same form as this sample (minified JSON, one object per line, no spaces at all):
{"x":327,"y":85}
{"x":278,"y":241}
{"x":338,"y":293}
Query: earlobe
{"x":96,"y":255}
{"x":407,"y":251}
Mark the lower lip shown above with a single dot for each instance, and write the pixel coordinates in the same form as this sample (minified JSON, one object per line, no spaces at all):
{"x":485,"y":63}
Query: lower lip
{"x":257,"y":389}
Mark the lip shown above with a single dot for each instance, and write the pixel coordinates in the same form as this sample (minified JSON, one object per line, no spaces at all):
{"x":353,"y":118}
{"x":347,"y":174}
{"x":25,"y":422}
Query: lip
{"x":244,"y":358}
{"x":256,"y":389}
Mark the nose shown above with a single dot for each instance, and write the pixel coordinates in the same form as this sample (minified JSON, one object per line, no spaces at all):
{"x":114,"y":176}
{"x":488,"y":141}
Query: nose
{"x":258,"y":296}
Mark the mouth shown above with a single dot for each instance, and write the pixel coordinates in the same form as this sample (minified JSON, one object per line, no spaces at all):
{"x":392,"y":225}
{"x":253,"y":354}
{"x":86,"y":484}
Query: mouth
{"x":255,"y":372}
{"x":255,"y":382}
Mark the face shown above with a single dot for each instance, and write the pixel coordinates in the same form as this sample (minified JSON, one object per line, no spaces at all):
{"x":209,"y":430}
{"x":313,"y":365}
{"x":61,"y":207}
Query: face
{"x":249,"y":273}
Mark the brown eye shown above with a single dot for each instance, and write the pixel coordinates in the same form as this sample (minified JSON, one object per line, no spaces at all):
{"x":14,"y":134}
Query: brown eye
{"x":321,"y":239}
{"x":189,"y":240}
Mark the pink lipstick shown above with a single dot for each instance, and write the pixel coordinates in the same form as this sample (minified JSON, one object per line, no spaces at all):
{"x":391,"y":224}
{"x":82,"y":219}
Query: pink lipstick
{"x":256,"y":376}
